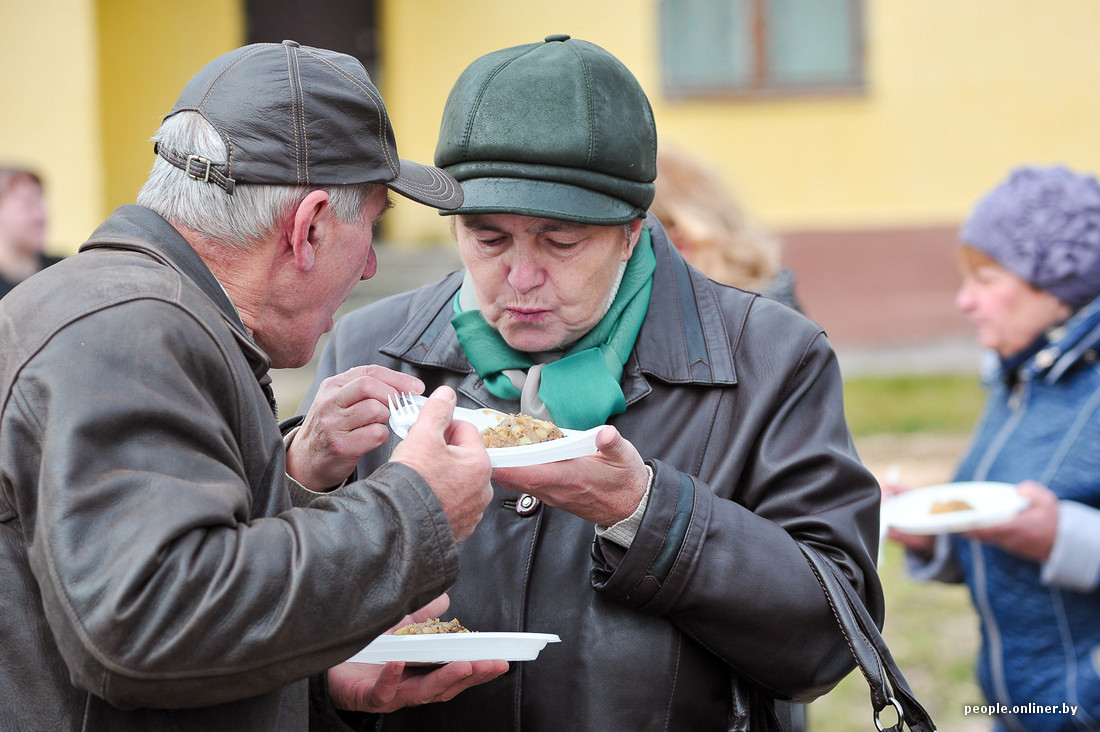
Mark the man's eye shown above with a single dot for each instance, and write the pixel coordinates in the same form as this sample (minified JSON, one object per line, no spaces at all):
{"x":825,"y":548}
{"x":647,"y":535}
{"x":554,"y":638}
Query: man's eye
{"x":565,"y":245}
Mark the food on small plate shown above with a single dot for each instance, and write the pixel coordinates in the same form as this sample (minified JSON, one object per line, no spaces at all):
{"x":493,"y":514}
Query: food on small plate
{"x":568,"y":445}
{"x":952,"y":508}
{"x":515,"y":430}
{"x":430,"y":626}
{"x":950,"y":505}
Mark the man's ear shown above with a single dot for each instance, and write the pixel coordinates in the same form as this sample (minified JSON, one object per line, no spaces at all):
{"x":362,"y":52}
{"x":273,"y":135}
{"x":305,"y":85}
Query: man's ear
{"x":632,"y":239}
{"x":307,"y":222}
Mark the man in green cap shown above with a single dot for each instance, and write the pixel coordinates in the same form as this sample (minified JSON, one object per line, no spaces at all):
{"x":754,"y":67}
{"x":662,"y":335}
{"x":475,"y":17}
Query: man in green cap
{"x":667,"y":560}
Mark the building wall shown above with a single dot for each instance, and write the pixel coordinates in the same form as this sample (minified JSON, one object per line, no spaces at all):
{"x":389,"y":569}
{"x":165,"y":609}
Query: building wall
{"x":863,"y":188}
{"x":147,"y":52}
{"x":49,"y":108}
{"x":84,"y":84}
{"x":956,"y":94}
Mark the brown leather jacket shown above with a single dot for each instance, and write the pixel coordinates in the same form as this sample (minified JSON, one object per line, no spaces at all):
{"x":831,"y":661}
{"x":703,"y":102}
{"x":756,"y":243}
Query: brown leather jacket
{"x":155,"y":573}
{"x":735,"y":401}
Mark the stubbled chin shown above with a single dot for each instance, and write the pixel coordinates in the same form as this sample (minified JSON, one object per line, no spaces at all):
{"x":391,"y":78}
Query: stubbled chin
{"x":532,"y":340}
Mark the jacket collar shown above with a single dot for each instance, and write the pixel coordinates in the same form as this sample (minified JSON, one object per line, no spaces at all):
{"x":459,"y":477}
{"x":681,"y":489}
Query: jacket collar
{"x":1076,"y":340}
{"x":138,"y":229}
{"x":685,"y":338}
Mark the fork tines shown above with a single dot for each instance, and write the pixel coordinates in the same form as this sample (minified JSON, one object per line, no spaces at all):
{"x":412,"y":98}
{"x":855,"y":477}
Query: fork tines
{"x":404,"y":404}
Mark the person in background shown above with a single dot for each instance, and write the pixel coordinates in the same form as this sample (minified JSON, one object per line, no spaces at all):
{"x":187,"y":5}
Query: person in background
{"x":166,"y":561}
{"x":711,"y":230}
{"x":23,"y":219}
{"x":1030,"y":262}
{"x":668,"y":561}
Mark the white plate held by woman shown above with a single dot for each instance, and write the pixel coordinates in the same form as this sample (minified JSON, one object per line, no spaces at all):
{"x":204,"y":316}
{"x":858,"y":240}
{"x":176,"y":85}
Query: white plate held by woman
{"x":984,"y":504}
{"x":576,"y":443}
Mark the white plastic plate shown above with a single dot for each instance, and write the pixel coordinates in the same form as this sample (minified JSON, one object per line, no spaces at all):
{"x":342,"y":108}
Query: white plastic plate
{"x":447,"y":647}
{"x":993,"y":503}
{"x":576,"y":443}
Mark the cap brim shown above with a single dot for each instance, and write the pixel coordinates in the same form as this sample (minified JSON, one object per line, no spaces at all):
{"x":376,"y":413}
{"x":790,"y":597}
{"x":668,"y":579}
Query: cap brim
{"x":544,"y":199}
{"x":428,"y":185}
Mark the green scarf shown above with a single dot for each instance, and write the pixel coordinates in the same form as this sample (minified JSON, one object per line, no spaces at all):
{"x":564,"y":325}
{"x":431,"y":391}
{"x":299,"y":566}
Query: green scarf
{"x":580,"y":390}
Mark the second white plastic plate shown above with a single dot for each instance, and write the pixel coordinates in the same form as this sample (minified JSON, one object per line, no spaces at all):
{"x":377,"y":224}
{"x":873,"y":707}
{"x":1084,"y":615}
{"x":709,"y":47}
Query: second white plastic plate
{"x":447,"y":647}
{"x":576,"y":443}
{"x":992,"y":503}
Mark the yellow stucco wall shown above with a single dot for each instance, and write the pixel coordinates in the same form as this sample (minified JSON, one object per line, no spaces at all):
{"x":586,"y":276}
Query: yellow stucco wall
{"x":49,"y":108}
{"x":957,"y":94}
{"x":148,"y":51}
{"x":83,"y":85}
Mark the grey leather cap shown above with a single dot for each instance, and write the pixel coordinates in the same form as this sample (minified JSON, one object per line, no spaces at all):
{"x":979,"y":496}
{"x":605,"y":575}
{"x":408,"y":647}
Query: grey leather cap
{"x":559,"y":129}
{"x":296,"y":115}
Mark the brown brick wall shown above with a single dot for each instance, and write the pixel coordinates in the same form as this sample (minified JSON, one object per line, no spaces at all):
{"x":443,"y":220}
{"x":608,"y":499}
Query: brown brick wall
{"x":878,"y":287}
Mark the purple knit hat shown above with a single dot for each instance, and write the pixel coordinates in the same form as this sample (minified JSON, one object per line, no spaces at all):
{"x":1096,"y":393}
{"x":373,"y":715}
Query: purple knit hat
{"x":1044,"y":225}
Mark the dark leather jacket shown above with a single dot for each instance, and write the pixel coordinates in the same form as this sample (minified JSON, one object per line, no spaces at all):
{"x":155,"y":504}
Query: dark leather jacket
{"x":735,"y":401}
{"x":155,"y":574}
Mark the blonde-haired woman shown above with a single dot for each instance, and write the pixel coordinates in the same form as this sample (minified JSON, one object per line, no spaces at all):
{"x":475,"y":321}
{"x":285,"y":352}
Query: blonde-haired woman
{"x":711,"y":230}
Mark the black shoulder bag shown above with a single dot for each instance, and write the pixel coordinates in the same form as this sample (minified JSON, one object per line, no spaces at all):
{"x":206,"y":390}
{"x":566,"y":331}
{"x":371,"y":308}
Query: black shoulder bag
{"x":888,"y":685}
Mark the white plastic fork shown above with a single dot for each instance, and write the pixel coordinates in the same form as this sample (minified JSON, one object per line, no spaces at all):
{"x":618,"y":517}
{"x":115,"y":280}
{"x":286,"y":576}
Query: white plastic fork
{"x":403,"y":412}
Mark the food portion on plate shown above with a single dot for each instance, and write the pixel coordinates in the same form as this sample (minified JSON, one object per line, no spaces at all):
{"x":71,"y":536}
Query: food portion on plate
{"x":430,"y":626}
{"x":952,"y":507}
{"x":951,"y":504}
{"x":571,"y":444}
{"x":516,"y":430}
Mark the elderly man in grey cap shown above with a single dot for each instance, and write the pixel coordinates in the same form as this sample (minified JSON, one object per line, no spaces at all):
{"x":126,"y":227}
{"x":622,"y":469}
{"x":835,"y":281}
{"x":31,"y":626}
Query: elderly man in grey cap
{"x":1030,"y":260}
{"x":169,"y":563}
{"x":668,"y":559}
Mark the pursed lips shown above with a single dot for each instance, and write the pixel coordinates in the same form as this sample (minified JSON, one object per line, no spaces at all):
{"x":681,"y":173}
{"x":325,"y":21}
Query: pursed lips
{"x":526,"y":315}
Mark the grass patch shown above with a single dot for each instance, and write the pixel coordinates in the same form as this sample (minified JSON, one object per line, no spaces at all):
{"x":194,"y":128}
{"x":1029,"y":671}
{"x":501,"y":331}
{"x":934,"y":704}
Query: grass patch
{"x":908,"y":404}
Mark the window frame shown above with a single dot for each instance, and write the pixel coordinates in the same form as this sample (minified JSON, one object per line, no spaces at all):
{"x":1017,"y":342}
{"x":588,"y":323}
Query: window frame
{"x":760,"y":85}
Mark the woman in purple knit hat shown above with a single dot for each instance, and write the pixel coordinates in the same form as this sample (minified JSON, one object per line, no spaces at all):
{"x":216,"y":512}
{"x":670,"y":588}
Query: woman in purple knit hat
{"x":1030,"y":260}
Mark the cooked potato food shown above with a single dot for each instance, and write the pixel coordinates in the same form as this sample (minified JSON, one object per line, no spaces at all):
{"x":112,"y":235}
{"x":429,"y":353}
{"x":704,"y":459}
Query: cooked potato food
{"x":949,"y":506}
{"x":431,"y":625}
{"x":520,"y":429}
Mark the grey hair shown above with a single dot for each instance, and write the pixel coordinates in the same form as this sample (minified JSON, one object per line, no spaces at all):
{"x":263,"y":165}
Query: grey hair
{"x":239,"y":220}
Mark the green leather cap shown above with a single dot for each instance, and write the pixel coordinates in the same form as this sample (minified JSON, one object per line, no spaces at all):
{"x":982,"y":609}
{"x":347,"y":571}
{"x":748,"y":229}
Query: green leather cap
{"x":559,"y":130}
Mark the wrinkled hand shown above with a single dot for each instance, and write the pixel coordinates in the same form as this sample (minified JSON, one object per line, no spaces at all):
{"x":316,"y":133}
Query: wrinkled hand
{"x":604,"y":488}
{"x":348,"y":418}
{"x":363,"y":687}
{"x":921,"y":544}
{"x":451,"y":457}
{"x":1029,"y":534}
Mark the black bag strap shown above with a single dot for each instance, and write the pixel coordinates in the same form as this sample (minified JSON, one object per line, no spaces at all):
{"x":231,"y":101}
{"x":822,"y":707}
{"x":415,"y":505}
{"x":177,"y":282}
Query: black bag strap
{"x":888,"y":685}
